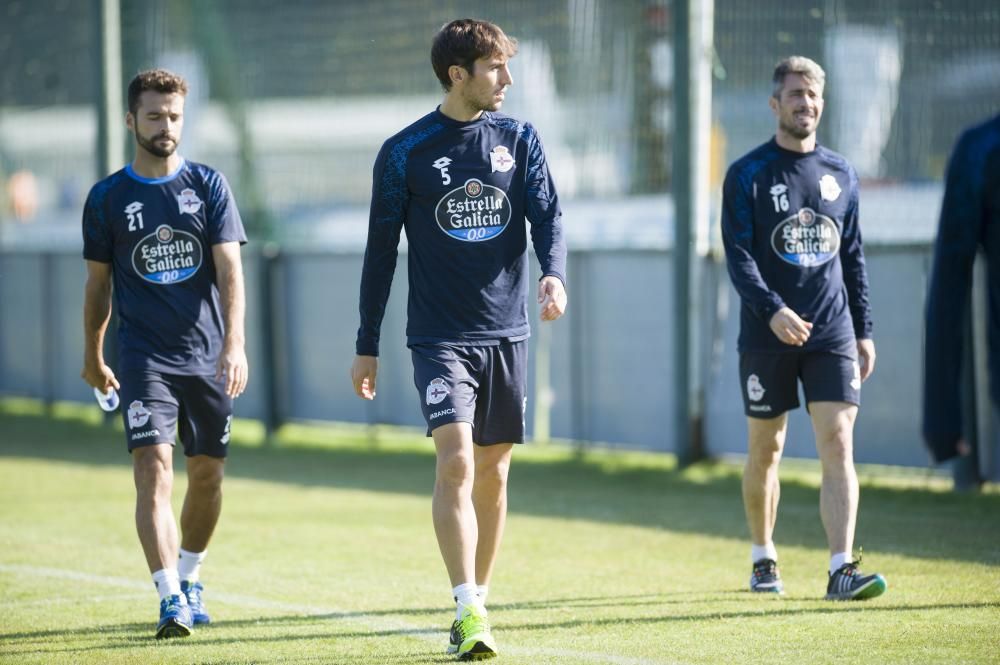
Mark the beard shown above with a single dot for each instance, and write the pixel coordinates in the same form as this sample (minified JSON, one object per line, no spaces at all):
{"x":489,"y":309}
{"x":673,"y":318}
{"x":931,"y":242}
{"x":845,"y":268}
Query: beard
{"x":792,"y":128}
{"x":149,"y":144}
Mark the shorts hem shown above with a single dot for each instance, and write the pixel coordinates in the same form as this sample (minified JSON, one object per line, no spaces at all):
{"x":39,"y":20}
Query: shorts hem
{"x":430,"y":430}
{"x":147,"y":444}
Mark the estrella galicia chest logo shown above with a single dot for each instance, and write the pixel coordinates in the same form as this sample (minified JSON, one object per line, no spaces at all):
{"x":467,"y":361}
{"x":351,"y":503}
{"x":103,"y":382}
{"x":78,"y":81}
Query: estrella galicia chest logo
{"x":473,"y":212}
{"x":806,"y":239}
{"x":167,"y":256}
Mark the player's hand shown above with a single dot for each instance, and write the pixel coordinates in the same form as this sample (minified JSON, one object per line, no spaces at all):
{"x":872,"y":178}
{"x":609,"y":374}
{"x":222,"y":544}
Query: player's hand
{"x":551,"y":297}
{"x":363,"y":372}
{"x":100,"y":376}
{"x":234,"y":367}
{"x":790,"y":328}
{"x":866,"y":357}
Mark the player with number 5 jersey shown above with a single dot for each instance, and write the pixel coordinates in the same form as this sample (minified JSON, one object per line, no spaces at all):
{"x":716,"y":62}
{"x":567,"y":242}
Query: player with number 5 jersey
{"x":461,"y":181}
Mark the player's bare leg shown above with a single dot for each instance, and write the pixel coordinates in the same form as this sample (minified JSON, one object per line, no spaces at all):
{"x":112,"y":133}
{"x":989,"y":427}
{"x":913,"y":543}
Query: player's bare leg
{"x":153,"y":472}
{"x":761,"y":492}
{"x":761,"y":489}
{"x":200,"y":514}
{"x":453,"y":512}
{"x":202,"y":502}
{"x":154,"y":517}
{"x":833,"y":423}
{"x":489,"y":497}
{"x":457,"y":533}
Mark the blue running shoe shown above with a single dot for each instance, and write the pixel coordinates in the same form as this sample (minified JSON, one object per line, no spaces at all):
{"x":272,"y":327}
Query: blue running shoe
{"x":765,"y":577}
{"x":192,"y":591}
{"x":175,"y":618}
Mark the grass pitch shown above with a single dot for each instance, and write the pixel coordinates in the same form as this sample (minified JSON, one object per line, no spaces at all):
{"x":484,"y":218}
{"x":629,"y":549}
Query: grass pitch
{"x":326,"y":554}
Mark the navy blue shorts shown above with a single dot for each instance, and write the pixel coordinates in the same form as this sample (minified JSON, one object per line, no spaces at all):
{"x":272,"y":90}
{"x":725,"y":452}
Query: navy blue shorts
{"x":486,"y":386}
{"x":769,"y":381}
{"x":156,"y":407}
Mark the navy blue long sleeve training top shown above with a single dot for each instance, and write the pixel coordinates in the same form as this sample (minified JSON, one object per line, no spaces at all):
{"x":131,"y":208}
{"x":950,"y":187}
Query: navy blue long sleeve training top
{"x":462,"y":191}
{"x":791,"y":235}
{"x":970,"y":218}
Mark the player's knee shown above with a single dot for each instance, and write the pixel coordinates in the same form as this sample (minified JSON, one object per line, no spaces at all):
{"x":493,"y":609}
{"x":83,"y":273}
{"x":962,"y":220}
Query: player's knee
{"x":837,"y":448}
{"x":152,"y":471}
{"x":206,"y":478}
{"x":492,"y":472}
{"x":455,"y":470}
{"x":765,"y":451}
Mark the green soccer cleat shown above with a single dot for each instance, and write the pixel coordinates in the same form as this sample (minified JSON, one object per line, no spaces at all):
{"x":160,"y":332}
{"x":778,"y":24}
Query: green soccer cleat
{"x":470,"y":637}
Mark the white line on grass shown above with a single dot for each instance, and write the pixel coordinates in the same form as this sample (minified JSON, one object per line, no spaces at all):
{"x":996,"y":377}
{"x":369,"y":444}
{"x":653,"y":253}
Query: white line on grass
{"x":363,"y":620}
{"x":44,"y":602}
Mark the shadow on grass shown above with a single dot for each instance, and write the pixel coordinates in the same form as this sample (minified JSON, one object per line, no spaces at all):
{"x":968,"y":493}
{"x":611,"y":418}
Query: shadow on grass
{"x":123,"y":636}
{"x":705,"y":500}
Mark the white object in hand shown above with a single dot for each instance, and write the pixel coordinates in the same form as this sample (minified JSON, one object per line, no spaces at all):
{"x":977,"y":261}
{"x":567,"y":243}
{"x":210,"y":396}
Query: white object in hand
{"x":109,"y":400}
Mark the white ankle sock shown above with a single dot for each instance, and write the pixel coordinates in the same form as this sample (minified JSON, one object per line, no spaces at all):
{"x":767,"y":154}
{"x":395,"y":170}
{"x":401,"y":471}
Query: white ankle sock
{"x":766,"y":551}
{"x":465,"y":595}
{"x":838,"y":560}
{"x":167,"y":583}
{"x":189,"y":565}
{"x":483,"y":590}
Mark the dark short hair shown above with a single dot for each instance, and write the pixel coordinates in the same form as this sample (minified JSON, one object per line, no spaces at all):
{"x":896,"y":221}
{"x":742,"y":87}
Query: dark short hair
{"x":464,"y":41}
{"x":797,"y":64}
{"x":158,"y":80}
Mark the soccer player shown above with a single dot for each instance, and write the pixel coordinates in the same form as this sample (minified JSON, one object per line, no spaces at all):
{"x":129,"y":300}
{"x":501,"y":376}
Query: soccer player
{"x":461,"y":181}
{"x":970,"y":218}
{"x":165,"y":232}
{"x":793,"y":248}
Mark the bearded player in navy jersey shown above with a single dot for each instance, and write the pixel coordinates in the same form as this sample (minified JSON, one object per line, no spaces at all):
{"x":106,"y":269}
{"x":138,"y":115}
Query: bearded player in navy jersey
{"x":461,"y":181}
{"x":163,"y":235}
{"x":793,"y":248}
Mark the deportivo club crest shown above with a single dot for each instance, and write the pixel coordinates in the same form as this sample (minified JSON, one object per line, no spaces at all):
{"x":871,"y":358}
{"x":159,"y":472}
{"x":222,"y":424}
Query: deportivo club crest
{"x":138,"y":415}
{"x":755,"y":391}
{"x":188,"y":201}
{"x":829,"y":190}
{"x":437,"y":390}
{"x":500,"y":159}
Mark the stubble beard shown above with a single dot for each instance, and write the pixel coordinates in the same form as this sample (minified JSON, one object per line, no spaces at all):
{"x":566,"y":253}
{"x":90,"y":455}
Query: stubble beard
{"x":799,"y":132}
{"x":150,"y":145}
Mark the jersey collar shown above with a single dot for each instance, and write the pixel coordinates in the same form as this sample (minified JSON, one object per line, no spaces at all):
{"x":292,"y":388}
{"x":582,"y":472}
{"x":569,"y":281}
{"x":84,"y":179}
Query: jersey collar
{"x":155,"y":181}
